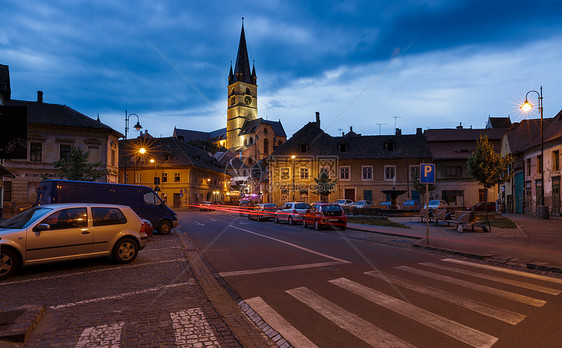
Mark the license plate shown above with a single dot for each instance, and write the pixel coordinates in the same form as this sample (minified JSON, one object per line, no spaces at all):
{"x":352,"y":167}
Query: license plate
{"x":333,"y":220}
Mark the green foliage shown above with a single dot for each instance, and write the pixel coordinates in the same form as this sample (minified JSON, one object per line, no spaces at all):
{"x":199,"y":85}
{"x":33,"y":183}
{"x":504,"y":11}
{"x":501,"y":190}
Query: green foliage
{"x":76,"y":166}
{"x":421,"y":187}
{"x":487,"y":166}
{"x":325,"y":185}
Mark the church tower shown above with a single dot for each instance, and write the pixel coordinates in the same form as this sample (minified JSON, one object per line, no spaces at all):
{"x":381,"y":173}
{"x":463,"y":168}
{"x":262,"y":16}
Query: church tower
{"x":242,"y":95}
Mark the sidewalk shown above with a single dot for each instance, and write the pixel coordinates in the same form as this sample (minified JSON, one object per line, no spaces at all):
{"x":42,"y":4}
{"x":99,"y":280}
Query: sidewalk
{"x":535,"y":243}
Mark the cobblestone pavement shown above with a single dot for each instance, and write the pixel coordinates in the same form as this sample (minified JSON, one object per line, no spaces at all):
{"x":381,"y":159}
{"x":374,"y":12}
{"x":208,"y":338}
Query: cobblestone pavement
{"x":152,"y":302}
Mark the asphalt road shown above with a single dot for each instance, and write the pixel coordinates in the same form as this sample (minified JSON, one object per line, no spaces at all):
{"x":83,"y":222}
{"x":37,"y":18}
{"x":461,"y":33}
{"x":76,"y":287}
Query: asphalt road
{"x":344,"y":289}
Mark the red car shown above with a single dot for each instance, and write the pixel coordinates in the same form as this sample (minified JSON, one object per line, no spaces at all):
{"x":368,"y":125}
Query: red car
{"x":325,"y":214}
{"x":482,"y":206}
{"x":147,"y":226}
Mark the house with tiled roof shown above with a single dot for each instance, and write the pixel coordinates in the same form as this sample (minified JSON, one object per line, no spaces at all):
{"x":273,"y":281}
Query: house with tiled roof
{"x":450,"y":149}
{"x":182,"y":174}
{"x":51,"y":131}
{"x":523,"y":142}
{"x":362,"y":166}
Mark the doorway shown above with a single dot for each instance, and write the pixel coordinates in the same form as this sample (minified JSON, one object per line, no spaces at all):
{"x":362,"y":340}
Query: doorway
{"x":349,"y":194}
{"x":177,"y":200}
{"x":556,"y":196}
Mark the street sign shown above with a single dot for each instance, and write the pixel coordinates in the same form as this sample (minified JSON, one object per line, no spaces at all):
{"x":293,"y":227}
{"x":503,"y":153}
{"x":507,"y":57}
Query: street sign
{"x":427,"y":173}
{"x":157,"y":189}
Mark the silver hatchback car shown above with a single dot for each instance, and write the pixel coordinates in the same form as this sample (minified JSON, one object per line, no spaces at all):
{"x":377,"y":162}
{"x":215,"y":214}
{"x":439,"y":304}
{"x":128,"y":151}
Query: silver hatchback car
{"x":61,"y":232}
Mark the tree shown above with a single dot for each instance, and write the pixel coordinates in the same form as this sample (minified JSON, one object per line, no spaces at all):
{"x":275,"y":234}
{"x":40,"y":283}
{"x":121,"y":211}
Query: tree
{"x":325,"y":185}
{"x":421,"y":187}
{"x":488,"y":167}
{"x":76,"y":166}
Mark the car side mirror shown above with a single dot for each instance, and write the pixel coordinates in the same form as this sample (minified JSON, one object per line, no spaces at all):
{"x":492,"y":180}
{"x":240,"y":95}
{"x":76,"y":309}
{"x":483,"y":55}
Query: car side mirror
{"x":42,"y":227}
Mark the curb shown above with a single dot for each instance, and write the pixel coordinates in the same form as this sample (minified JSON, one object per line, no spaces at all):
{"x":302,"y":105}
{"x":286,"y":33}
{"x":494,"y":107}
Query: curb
{"x":24,"y":321}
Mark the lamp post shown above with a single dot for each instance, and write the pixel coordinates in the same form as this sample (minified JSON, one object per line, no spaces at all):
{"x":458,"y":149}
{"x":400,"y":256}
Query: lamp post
{"x":141,"y":151}
{"x":138,"y":127}
{"x":542,"y":209}
{"x":293,"y":175}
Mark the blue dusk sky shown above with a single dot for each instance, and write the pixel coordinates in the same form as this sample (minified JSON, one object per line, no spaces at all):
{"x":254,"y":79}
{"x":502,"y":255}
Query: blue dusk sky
{"x":367,"y":64}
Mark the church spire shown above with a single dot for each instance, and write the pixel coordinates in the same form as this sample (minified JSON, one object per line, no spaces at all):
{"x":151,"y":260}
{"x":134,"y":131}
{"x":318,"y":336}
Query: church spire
{"x":242,"y":67}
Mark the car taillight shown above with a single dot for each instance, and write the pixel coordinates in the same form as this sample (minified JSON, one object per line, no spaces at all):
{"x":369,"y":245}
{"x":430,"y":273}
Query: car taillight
{"x":143,"y":228}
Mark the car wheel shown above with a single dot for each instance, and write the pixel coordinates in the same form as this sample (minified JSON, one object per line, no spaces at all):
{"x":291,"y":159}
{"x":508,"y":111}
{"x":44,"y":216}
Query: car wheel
{"x":276,"y":219}
{"x":165,"y":227}
{"x":9,"y":263}
{"x":290,"y":220}
{"x":249,"y":217}
{"x":316,"y":225}
{"x":125,"y":250}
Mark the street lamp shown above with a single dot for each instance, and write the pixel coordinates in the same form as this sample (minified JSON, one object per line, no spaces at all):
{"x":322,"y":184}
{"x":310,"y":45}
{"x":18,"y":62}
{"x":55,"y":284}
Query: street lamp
{"x":293,"y":158}
{"x":542,"y":209}
{"x":138,"y":127}
{"x":141,"y":151}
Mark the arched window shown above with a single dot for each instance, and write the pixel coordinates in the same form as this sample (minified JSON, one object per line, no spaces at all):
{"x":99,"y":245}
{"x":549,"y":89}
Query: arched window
{"x":232,"y":92}
{"x":265,"y":146}
{"x":265,"y":130}
{"x":245,"y":142}
{"x":248,"y":91}
{"x":251,"y":140}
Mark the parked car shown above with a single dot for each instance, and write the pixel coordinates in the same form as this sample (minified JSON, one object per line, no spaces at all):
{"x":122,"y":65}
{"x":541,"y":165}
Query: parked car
{"x":411,"y":204}
{"x":384,"y":205}
{"x":205,"y":206}
{"x":344,"y":202}
{"x":142,"y":199}
{"x":264,"y":211}
{"x":483,"y":206}
{"x":361,"y":205}
{"x":62,"y":232}
{"x":436,"y":204}
{"x":325,"y":214}
{"x":291,"y":212}
{"x":245,"y":207}
{"x":149,"y":229}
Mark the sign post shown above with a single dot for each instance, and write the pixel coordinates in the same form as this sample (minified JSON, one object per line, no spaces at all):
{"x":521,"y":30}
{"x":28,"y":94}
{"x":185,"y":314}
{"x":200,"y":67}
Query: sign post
{"x":427,"y":176}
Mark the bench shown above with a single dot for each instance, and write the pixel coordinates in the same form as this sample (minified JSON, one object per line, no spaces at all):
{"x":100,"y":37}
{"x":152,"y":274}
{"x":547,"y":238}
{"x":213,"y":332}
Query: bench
{"x":420,"y":215}
{"x":462,"y":219}
{"x":440,"y":215}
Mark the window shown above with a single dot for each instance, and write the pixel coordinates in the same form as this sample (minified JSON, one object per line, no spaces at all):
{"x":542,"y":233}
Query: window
{"x":556,"y":161}
{"x":265,"y":146}
{"x":304,"y":173}
{"x":343,"y":147}
{"x":345,"y":173}
{"x":248,"y":91}
{"x":108,"y":216}
{"x":176,"y":177}
{"x":164,"y":177}
{"x":151,"y":198}
{"x":35,"y":150}
{"x":481,"y":195}
{"x":284,"y":173}
{"x":367,"y":173}
{"x":304,"y":147}
{"x":368,"y":195}
{"x":390,"y":146}
{"x":453,"y":171}
{"x":454,"y":197}
{"x":251,"y":140}
{"x":389,"y":172}
{"x":138,"y":177}
{"x":265,"y":130}
{"x":528,"y":167}
{"x":65,"y":151}
{"x":539,"y":164}
{"x":414,"y":172}
{"x":67,"y":218}
{"x":113,"y":158}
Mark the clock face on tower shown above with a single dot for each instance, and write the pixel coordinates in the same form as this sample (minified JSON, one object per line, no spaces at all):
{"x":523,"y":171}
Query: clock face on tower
{"x":248,"y":100}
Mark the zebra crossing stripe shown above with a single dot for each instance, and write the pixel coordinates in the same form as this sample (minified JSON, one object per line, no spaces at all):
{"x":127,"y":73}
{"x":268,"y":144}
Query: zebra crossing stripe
{"x":277,"y":322}
{"x":107,"y":335}
{"x":346,"y":320}
{"x":506,"y":270}
{"x":446,"y":326}
{"x":498,"y":292}
{"x":524,"y":285}
{"x":475,"y":306}
{"x":192,"y":329}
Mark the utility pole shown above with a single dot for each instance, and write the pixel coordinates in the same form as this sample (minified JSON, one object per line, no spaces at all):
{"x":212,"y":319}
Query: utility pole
{"x":380,"y":124}
{"x":395,"y":117}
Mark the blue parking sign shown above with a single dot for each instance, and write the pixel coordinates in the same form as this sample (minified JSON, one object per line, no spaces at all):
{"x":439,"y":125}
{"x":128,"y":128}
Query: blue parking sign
{"x":427,"y":173}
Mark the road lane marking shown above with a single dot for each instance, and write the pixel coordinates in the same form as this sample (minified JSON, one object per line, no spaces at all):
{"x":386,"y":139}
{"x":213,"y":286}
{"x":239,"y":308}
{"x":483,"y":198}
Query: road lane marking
{"x":517,"y":283}
{"x":199,"y":223}
{"x":107,"y":335}
{"x":279,"y":324}
{"x":291,"y":244}
{"x":192,"y":329}
{"x":120,"y":296}
{"x":213,"y":220}
{"x":278,"y":269}
{"x":346,"y":320}
{"x":475,"y":306}
{"x":506,"y":270}
{"x":107,"y":269}
{"x":498,"y":292}
{"x":446,"y":326}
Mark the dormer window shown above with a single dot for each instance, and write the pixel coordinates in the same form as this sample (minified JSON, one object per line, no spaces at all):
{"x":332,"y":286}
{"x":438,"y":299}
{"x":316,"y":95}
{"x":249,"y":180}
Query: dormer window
{"x":390,"y":146}
{"x":304,"y":147}
{"x":343,"y":147}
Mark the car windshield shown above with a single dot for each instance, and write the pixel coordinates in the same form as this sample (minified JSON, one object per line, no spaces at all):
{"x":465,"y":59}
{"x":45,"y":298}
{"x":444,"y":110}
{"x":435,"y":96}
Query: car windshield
{"x":433,"y":202}
{"x":26,"y":218}
{"x":359,"y":203}
{"x":331,"y":208}
{"x":301,"y":206}
{"x":409,"y":203}
{"x":340,"y":201}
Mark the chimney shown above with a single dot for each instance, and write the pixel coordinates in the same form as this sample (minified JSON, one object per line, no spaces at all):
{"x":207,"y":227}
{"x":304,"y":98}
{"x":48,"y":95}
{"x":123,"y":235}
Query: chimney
{"x":351,"y":128}
{"x":398,"y":131}
{"x":460,"y":126}
{"x":39,"y":96}
{"x":418,"y":131}
{"x":318,"y":119}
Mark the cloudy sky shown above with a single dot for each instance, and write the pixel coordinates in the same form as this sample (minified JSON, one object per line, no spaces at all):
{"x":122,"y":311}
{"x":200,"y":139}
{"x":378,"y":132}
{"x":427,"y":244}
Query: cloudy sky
{"x":369,"y":64}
